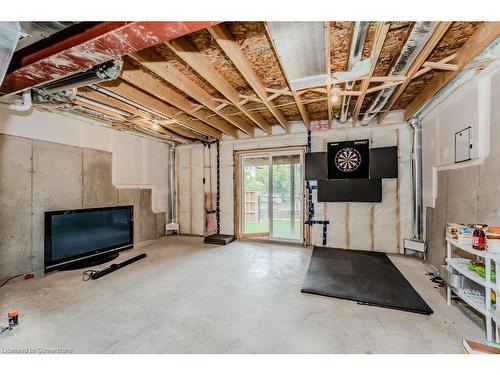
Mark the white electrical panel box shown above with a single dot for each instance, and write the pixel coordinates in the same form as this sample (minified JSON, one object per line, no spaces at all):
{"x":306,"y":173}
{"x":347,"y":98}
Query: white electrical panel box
{"x":463,"y":145}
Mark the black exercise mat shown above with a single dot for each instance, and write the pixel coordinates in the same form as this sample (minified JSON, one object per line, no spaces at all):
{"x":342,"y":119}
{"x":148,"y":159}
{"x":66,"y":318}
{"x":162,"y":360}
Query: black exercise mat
{"x":367,"y":277}
{"x":219,"y":239}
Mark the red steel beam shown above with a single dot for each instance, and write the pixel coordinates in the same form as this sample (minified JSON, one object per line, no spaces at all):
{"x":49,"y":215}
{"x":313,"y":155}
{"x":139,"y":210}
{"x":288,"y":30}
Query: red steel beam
{"x":100,"y":43}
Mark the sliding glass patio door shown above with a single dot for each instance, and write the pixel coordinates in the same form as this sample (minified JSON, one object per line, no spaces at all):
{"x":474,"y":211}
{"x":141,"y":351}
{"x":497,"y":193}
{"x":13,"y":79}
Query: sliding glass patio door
{"x":255,"y":196}
{"x":272,"y":195}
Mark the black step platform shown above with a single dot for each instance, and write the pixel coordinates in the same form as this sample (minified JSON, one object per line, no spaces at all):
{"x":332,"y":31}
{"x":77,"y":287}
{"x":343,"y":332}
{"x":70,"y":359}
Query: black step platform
{"x":368,"y":277}
{"x":219,"y":239}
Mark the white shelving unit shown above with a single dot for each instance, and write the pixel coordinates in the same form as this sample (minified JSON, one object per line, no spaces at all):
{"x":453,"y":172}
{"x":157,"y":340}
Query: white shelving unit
{"x":479,"y":303}
{"x":496,"y":319}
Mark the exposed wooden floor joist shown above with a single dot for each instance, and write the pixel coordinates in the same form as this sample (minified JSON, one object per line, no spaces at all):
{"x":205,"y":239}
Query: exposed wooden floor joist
{"x":417,"y":64}
{"x":173,"y":76}
{"x":141,"y":79}
{"x":202,"y":66}
{"x":483,"y":37}
{"x":226,"y":41}
{"x":300,"y":106}
{"x":380,"y":35}
{"x":126,"y":90}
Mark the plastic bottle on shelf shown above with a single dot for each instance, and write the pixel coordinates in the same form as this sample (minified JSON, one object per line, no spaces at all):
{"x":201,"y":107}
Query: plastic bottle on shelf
{"x":479,"y":238}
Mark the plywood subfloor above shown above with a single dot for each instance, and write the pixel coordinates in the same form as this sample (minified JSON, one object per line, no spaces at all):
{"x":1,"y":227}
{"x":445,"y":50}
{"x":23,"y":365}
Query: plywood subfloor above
{"x":453,"y":40}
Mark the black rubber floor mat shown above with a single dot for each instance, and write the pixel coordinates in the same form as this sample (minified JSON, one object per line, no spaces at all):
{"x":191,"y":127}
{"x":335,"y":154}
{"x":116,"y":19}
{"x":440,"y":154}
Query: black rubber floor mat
{"x":367,"y":277}
{"x":219,"y":239}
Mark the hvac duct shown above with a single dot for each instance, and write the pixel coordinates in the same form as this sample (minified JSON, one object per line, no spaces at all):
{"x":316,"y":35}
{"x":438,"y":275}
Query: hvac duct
{"x":24,"y":106}
{"x":416,"y":128}
{"x":78,"y":108}
{"x":172,"y":194}
{"x":58,"y":100}
{"x":132,"y":103}
{"x":355,"y":55}
{"x":102,"y":105}
{"x":419,"y":36}
{"x":10,"y":32}
{"x":104,"y":72}
{"x":61,"y":101}
{"x":300,"y":47}
{"x":125,"y":100}
{"x":153,"y":135}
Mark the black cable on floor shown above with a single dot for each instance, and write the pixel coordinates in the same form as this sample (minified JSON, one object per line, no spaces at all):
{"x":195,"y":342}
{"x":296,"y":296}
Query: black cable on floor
{"x":87,"y":275}
{"x":10,"y":278}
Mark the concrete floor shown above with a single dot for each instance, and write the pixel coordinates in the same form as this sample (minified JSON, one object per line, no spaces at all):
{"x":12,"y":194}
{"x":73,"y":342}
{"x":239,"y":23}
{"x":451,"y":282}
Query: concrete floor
{"x":187,"y":297}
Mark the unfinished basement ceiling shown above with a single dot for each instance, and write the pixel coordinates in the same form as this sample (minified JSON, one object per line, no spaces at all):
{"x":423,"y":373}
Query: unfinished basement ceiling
{"x":235,"y":77}
{"x":454,"y":39}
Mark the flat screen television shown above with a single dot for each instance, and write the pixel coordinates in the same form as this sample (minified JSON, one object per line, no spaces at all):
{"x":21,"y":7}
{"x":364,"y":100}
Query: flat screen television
{"x":85,"y":235}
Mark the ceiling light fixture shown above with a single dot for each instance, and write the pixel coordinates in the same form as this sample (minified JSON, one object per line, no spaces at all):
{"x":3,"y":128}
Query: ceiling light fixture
{"x":155,"y":125}
{"x":335,"y":95}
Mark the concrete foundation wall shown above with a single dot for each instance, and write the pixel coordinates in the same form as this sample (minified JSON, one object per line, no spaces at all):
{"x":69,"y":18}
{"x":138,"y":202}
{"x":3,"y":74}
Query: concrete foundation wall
{"x":377,"y":226}
{"x":15,"y":205}
{"x":468,"y":192}
{"x":38,"y":176}
{"x":136,"y":162}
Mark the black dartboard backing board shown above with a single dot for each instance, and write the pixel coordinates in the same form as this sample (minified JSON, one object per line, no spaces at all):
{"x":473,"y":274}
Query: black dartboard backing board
{"x":349,"y":159}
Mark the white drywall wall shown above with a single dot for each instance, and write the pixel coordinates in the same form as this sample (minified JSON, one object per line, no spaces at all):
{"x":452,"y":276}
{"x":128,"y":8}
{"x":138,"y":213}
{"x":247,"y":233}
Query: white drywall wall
{"x":137,"y":162}
{"x":467,"y":106}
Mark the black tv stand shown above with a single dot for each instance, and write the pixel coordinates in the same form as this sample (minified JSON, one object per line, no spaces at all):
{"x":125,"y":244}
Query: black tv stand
{"x":89,"y":262}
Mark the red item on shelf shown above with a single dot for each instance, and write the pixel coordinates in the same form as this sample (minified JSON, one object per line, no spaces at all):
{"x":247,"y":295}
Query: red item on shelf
{"x":479,"y":239}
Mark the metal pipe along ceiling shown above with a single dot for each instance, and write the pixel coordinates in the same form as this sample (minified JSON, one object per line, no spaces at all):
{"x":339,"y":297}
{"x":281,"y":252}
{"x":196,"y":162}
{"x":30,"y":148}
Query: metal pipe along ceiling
{"x":104,"y":72}
{"x":419,"y":36}
{"x":60,"y":102}
{"x":78,"y":108}
{"x":356,"y":53}
{"x":125,"y":100}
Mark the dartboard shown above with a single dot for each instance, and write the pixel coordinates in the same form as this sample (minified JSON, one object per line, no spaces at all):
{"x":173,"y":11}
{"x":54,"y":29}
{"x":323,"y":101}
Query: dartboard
{"x":347,"y":159}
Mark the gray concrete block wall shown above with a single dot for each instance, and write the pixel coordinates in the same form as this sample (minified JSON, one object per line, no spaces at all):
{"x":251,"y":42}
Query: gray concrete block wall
{"x":147,"y":228}
{"x":98,"y":188}
{"x":488,"y":209}
{"x":436,"y":223}
{"x":15,"y":205}
{"x":160,"y":221}
{"x":489,"y":188}
{"x":463,"y":197}
{"x":132,"y":197}
{"x":38,"y":176}
{"x":57,"y":185}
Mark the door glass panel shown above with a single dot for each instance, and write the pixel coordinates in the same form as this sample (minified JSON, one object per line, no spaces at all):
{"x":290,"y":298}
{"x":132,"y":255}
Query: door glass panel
{"x":255,"y":195}
{"x":286,"y":203}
